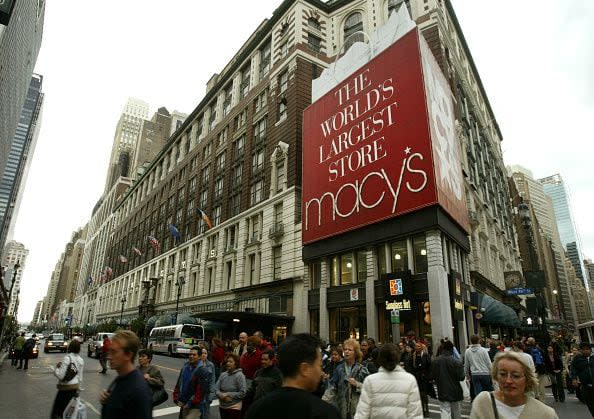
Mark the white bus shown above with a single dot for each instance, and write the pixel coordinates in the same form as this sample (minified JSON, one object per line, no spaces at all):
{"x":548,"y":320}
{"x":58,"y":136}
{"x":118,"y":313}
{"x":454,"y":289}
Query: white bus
{"x":177,"y":339}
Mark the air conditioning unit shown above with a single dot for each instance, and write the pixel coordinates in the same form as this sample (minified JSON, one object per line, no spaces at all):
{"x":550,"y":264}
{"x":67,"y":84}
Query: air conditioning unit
{"x":183,"y":264}
{"x":213,"y":253}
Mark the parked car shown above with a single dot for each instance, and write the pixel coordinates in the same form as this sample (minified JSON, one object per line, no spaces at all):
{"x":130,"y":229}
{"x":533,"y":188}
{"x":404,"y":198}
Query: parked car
{"x":55,"y":342}
{"x":96,"y":343}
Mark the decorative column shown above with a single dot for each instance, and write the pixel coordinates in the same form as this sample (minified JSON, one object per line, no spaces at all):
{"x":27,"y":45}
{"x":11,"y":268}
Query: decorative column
{"x":324,"y":319}
{"x":439,"y":294}
{"x":370,"y":306}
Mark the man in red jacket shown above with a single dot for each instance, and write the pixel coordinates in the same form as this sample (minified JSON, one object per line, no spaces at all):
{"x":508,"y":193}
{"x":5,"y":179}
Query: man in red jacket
{"x":104,"y":351}
{"x":250,"y":361}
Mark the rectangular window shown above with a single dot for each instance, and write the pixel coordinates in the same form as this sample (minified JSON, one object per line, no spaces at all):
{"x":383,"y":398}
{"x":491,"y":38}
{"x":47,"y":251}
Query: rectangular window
{"x":218,"y":192}
{"x":256,"y":192}
{"x":264,"y":60}
{"x":203,"y":199}
{"x":238,"y":147}
{"x":280,"y":176}
{"x":277,"y":253}
{"x":205,"y":176}
{"x":237,"y":175}
{"x":208,"y":150}
{"x":241,"y":119}
{"x":261,"y":101}
{"x":227,"y":99}
{"x":399,"y":253}
{"x":229,"y":274}
{"x":213,"y":116}
{"x":252,"y":272}
{"x":314,"y":42}
{"x":220,"y":163}
{"x":244,"y":87}
{"x":284,"y":49}
{"x":361,"y":266}
{"x":235,"y":204}
{"x":419,"y":253}
{"x":283,"y":81}
{"x":258,"y":161}
{"x":346,"y":269}
{"x":190,"y":209}
{"x":216,"y":215}
{"x":315,"y":275}
{"x":260,"y":131}
{"x":192,"y":187}
{"x":282,"y":109}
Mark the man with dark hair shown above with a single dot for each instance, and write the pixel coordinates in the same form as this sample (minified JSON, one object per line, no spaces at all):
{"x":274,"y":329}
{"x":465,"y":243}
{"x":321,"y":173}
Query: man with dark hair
{"x":128,"y":396}
{"x":582,"y":375}
{"x":447,"y":373}
{"x":27,"y":352}
{"x":300,"y":361}
{"x":193,"y":386}
{"x":267,"y":379}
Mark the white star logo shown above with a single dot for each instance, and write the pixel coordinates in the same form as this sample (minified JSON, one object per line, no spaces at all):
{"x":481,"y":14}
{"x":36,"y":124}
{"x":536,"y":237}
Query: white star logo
{"x":407,"y":150}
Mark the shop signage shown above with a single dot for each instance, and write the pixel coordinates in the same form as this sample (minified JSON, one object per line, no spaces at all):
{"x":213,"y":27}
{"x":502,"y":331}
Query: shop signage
{"x":456,"y":295}
{"x":399,"y":290}
{"x":354,"y":294}
{"x":380,"y":144}
{"x":403,"y":305}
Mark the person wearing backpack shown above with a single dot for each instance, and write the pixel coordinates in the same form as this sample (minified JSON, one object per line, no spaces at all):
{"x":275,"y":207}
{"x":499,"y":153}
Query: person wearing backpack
{"x":539,"y":365}
{"x":69,"y":373}
{"x":27,"y":352}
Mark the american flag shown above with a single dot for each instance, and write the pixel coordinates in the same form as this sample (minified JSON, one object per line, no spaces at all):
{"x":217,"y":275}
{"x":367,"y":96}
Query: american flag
{"x":123,"y":259}
{"x":155,"y":244}
{"x":137,"y":251}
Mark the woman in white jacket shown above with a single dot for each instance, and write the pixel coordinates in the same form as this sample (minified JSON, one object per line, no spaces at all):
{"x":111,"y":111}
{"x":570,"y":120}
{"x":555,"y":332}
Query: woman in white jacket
{"x":391,"y":392}
{"x":68,"y":385}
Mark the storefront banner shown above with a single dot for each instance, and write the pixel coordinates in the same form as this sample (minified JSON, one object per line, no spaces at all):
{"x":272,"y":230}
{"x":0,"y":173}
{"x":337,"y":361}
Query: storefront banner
{"x":456,"y":295}
{"x":399,"y":291}
{"x":381,"y":144}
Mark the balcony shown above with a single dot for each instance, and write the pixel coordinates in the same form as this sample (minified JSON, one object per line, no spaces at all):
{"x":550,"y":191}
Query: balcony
{"x":277,"y":230}
{"x":255,"y":239}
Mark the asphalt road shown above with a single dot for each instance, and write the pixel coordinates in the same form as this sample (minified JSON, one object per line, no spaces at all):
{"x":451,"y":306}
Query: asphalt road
{"x":30,"y":394}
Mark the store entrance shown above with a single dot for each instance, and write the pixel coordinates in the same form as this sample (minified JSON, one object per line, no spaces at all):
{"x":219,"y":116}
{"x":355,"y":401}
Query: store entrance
{"x":347,"y":322}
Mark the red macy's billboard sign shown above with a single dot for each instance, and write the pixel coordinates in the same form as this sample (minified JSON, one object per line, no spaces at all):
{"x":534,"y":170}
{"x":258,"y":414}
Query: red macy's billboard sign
{"x":380,"y":144}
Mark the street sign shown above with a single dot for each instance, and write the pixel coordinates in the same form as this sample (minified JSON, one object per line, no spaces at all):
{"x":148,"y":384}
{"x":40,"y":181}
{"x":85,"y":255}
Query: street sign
{"x":519,"y":291}
{"x":395,"y":316}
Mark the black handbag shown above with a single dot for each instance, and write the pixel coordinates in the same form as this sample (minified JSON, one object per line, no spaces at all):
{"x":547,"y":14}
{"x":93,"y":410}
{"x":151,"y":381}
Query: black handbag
{"x":160,"y":396}
{"x":71,"y":372}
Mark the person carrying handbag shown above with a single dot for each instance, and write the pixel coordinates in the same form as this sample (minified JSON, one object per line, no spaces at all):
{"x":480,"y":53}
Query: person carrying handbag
{"x":70,"y":374}
{"x":152,"y":376}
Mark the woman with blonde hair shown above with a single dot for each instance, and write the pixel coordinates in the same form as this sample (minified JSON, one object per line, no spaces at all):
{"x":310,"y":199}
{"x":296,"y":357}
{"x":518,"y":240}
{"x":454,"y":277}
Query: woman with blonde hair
{"x":344,"y":388}
{"x":516,"y":382}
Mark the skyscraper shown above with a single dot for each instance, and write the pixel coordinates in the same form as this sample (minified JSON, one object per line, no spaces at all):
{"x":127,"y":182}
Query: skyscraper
{"x":124,"y":143}
{"x":556,"y":189}
{"x":19,"y":46}
{"x":14,"y":252}
{"x":19,"y":159}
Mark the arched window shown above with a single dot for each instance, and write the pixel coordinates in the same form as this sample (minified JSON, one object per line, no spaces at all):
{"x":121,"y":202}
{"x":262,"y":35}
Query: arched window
{"x":353,"y":24}
{"x":312,"y":22}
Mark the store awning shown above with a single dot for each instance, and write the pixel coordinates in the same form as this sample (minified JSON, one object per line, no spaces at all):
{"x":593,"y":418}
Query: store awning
{"x":495,"y":312}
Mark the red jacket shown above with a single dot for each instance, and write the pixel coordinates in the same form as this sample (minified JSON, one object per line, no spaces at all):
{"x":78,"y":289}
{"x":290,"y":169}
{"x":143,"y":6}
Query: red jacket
{"x":106,"y":345}
{"x":218,"y":356}
{"x":250,"y":363}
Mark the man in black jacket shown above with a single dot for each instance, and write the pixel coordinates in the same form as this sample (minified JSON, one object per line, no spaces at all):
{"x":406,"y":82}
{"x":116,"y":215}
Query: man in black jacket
{"x":582,"y":374}
{"x":267,"y":379}
{"x":27,"y":352}
{"x":447,"y":373}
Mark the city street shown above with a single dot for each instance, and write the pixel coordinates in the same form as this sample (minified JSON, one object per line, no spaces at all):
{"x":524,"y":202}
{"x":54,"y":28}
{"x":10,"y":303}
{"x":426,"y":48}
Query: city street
{"x":30,"y":394}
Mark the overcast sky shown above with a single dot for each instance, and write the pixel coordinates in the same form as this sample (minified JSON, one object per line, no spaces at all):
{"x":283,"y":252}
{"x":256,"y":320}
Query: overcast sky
{"x":535,"y":58}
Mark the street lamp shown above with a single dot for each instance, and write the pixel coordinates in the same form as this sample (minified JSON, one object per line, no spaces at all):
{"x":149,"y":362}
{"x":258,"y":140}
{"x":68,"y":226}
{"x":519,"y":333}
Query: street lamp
{"x":180,"y":283}
{"x":123,"y":300}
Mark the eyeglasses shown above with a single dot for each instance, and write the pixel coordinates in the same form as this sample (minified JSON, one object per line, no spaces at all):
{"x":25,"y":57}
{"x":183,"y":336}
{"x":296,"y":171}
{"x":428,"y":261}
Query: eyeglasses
{"x":515,"y":376}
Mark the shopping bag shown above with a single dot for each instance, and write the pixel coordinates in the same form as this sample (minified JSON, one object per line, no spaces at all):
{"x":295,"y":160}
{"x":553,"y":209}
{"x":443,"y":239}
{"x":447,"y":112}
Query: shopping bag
{"x":465,"y":384}
{"x":546,"y":380}
{"x":159,"y":396}
{"x":75,"y":409}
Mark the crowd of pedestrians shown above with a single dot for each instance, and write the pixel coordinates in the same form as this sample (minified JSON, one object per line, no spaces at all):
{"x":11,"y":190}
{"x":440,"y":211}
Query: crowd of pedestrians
{"x":352,"y":379}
